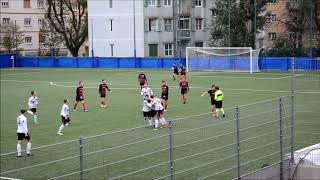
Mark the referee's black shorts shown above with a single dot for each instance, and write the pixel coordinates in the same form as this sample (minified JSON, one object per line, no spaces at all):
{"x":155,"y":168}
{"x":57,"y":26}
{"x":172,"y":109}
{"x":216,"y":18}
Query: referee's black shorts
{"x":218,"y":104}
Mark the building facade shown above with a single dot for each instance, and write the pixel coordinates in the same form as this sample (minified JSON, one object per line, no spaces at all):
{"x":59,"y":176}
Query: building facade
{"x":28,"y":17}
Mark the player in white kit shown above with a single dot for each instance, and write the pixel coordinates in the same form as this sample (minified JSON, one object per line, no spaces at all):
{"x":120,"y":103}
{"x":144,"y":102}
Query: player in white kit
{"x":33,"y":103}
{"x":23,"y":133}
{"x":146,"y":91}
{"x":158,"y":118}
{"x":65,"y":119}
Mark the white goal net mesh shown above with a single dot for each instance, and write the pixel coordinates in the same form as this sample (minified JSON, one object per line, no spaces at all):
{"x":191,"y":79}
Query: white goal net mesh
{"x":237,"y":59}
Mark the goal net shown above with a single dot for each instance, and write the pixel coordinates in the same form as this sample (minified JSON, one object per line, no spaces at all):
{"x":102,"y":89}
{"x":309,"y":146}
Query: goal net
{"x":235,"y":59}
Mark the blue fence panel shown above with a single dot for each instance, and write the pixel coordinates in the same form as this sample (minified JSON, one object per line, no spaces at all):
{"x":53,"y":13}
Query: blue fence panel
{"x":151,"y":62}
{"x":46,"y":62}
{"x":66,"y":62}
{"x":85,"y":62}
{"x":274,"y":63}
{"x":127,"y":63}
{"x":6,"y":61}
{"x":27,"y":62}
{"x":107,"y":62}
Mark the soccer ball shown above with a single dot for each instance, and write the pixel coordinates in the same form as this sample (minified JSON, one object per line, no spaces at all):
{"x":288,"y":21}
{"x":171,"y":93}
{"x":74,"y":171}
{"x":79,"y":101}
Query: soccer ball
{"x":51,"y":83}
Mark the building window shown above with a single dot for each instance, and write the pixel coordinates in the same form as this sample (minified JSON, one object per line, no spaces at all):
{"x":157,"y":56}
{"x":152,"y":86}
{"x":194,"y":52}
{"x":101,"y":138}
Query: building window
{"x":198,"y":3}
{"x":292,"y":36}
{"x":168,"y":49}
{"x":260,"y":43}
{"x":27,"y":22}
{"x":272,"y":1}
{"x":26,"y":3}
{"x":40,"y":22}
{"x":111,"y":50}
{"x":167,"y":2}
{"x":5,"y":21}
{"x":5,"y":3}
{"x":153,"y":50}
{"x":152,"y":2}
{"x":28,"y":40}
{"x":111,"y":25}
{"x":184,"y":23}
{"x":199,"y":44}
{"x":41,"y":38}
{"x":273,"y":17}
{"x":168,"y":25}
{"x":110,"y":3}
{"x":199,"y":24}
{"x":213,"y":12}
{"x":272,"y":36}
{"x":40,"y":4}
{"x":152,"y":24}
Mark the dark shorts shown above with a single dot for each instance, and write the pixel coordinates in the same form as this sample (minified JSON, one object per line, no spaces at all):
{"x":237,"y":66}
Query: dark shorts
{"x":146,"y":114}
{"x":159,"y":112}
{"x":213,"y":102}
{"x":22,"y":136}
{"x":165,"y":96}
{"x":65,"y":120}
{"x":103,"y":95}
{"x":142,"y":83}
{"x":176,"y":72}
{"x":79,"y":98}
{"x":152,"y":113}
{"x":218,"y":104}
{"x":183,"y":73}
{"x":34,"y":110}
{"x":184,"y":91}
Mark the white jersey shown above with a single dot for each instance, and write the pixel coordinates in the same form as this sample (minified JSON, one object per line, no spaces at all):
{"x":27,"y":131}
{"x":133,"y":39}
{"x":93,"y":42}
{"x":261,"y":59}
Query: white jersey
{"x":146,"y":92}
{"x":157,"y":104}
{"x":33,"y":102}
{"x":146,"y":106}
{"x":64,"y":110}
{"x":22,"y":124}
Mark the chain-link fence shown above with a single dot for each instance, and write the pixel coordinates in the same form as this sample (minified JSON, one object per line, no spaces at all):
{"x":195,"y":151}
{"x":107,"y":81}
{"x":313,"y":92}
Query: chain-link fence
{"x":198,"y":147}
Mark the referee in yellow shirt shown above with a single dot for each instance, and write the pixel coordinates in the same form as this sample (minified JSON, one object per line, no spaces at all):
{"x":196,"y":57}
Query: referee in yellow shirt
{"x":218,"y":97}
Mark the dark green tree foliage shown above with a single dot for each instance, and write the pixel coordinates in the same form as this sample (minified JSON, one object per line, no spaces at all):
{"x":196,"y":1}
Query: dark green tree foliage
{"x":242,"y":16}
{"x":69,"y":18}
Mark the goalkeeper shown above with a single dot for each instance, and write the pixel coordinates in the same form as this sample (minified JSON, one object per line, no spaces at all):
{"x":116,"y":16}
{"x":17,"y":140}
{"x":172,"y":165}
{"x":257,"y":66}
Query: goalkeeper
{"x":218,"y":97}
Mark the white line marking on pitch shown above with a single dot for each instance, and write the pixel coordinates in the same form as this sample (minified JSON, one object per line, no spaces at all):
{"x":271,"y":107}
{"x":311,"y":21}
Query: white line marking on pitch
{"x":8,"y":178}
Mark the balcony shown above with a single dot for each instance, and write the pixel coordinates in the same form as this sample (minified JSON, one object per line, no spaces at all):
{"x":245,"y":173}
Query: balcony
{"x":184,"y":34}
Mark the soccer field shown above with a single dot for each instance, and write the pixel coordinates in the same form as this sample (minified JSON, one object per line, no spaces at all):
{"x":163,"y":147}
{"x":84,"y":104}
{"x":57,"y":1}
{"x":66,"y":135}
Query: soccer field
{"x":125,"y":111}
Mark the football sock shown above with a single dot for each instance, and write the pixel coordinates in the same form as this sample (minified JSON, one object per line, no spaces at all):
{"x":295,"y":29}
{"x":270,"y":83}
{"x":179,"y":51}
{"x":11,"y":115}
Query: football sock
{"x":75,"y":105}
{"x":156,"y":123}
{"x":212,"y":110}
{"x":29,"y":148}
{"x":217,"y":112}
{"x":84,"y":105}
{"x":66,"y":125}
{"x":222,"y":110}
{"x":163,"y":121}
{"x":61,"y":128}
{"x":174,"y":78}
{"x":19,"y":149}
{"x":30,"y":112}
{"x":35,"y":119}
{"x":150,"y":122}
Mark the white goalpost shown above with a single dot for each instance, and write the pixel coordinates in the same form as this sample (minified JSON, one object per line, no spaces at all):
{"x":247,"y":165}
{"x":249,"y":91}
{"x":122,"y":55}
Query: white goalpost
{"x":234,"y":59}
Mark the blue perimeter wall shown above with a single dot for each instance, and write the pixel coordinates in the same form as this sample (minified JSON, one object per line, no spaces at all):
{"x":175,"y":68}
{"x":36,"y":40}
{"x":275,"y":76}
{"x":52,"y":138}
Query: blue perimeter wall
{"x":265,"y":63}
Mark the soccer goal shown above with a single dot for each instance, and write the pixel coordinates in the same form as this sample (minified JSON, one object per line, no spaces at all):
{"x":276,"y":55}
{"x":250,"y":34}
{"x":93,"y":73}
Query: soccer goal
{"x":235,"y":59}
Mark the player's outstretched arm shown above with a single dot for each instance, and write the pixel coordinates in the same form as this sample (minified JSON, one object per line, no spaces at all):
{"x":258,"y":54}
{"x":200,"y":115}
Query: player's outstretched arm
{"x":204,"y":93}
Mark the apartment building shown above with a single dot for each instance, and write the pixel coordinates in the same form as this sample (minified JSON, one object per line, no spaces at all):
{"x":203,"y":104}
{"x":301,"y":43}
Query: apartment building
{"x":155,"y":28}
{"x":28,"y":16}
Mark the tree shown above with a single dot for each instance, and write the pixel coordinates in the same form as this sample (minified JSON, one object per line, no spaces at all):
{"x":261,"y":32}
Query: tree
{"x":50,"y":38}
{"x":242,"y":18}
{"x":69,"y":18}
{"x":12,"y":37}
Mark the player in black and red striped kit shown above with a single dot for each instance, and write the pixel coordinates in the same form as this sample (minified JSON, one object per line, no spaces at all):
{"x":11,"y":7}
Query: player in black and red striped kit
{"x":184,"y":88}
{"x":164,"y":94}
{"x":142,"y":78}
{"x":80,"y":97}
{"x":183,"y":72}
{"x":103,"y":91}
{"x":175,"y":72}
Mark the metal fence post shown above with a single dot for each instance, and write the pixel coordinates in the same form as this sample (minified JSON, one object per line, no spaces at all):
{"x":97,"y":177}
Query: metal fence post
{"x":171,"y":150}
{"x":281,"y":139}
{"x":81,"y":157}
{"x":292,"y":109}
{"x":238,"y":142}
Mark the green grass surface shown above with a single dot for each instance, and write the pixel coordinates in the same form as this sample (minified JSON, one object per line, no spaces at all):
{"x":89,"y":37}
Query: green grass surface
{"x":124,"y":111}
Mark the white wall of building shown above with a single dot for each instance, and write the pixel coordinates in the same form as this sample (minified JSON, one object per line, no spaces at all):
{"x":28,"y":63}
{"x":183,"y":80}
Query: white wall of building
{"x":122,"y":35}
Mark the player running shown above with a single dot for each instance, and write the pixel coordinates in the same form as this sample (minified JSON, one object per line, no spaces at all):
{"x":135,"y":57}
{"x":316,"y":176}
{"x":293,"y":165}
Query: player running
{"x":103,"y":91}
{"x":175,"y":71}
{"x":65,"y":119}
{"x":80,"y":97}
{"x":184,"y":89}
{"x":183,"y":72}
{"x":142,"y":78}
{"x":211,"y":93}
{"x":33,"y":103}
{"x":146,"y":109}
{"x":23,"y":133}
{"x":218,"y":97}
{"x":146,"y":91}
{"x":164,"y":94}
